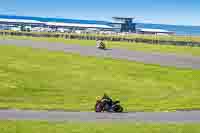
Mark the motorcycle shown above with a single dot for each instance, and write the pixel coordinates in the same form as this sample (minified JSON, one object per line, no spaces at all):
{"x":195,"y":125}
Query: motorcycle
{"x":102,"y":106}
{"x":101,"y":45}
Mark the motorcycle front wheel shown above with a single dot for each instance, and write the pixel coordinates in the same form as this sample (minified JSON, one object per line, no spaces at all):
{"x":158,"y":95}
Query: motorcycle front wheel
{"x":118,"y":108}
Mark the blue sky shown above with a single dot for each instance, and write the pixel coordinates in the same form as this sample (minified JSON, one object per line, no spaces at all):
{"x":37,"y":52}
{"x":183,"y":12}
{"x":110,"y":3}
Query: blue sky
{"x":181,"y":12}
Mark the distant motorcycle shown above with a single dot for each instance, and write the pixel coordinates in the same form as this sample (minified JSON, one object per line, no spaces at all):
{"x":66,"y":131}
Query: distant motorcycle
{"x":102,"y":106}
{"x":101,"y":45}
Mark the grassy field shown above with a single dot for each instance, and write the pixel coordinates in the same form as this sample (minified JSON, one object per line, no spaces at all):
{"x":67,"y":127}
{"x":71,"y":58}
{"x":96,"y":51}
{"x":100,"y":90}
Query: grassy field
{"x":186,"y":50}
{"x":47,"y":127}
{"x":38,"y":79}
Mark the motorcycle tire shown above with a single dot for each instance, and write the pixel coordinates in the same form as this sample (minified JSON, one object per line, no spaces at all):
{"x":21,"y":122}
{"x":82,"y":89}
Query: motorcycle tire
{"x":98,"y":107}
{"x":118,"y":108}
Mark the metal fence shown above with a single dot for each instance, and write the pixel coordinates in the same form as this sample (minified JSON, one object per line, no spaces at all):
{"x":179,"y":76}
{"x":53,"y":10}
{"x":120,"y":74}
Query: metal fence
{"x":104,"y":37}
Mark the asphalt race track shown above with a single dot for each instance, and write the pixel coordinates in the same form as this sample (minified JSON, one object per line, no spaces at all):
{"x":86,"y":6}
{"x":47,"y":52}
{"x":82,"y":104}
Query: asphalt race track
{"x":179,"y":61}
{"x":59,"y":116}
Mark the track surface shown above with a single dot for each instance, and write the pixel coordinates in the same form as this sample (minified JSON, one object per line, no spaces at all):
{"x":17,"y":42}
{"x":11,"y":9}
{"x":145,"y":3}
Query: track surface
{"x":191,"y":116}
{"x":179,"y":61}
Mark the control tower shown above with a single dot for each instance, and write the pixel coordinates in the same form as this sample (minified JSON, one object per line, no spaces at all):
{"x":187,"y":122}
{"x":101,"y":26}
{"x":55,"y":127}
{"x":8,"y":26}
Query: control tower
{"x":125,"y":24}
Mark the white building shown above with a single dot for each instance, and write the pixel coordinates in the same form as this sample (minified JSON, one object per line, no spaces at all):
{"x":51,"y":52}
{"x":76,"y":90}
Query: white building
{"x":154,"y":31}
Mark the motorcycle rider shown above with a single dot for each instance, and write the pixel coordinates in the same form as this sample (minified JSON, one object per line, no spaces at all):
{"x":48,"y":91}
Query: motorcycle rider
{"x":108,"y":101}
{"x":100,"y":44}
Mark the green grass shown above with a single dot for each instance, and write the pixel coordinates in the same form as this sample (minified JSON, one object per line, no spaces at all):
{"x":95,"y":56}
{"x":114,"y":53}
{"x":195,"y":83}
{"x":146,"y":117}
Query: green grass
{"x":39,"y":79}
{"x":182,"y":50}
{"x":50,"y":127}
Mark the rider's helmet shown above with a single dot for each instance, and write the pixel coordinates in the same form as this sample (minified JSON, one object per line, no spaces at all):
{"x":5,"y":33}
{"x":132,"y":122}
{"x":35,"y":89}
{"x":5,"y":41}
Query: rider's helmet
{"x":98,"y":98}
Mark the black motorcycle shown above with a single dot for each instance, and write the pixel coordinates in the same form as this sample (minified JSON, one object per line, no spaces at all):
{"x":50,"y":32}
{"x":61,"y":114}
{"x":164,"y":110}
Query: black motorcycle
{"x":102,"y":106}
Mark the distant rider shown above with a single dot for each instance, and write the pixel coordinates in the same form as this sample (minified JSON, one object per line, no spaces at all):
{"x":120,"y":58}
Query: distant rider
{"x":108,"y":101}
{"x":100,"y":44}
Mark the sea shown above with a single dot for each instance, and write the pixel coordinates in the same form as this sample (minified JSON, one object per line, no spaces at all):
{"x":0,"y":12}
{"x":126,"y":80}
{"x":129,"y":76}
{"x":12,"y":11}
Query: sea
{"x":178,"y":29}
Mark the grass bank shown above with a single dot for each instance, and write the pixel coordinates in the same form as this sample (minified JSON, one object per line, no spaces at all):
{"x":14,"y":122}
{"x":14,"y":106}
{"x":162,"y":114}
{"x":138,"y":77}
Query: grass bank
{"x":182,"y":50}
{"x":41,"y":127}
{"x":39,"y":79}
